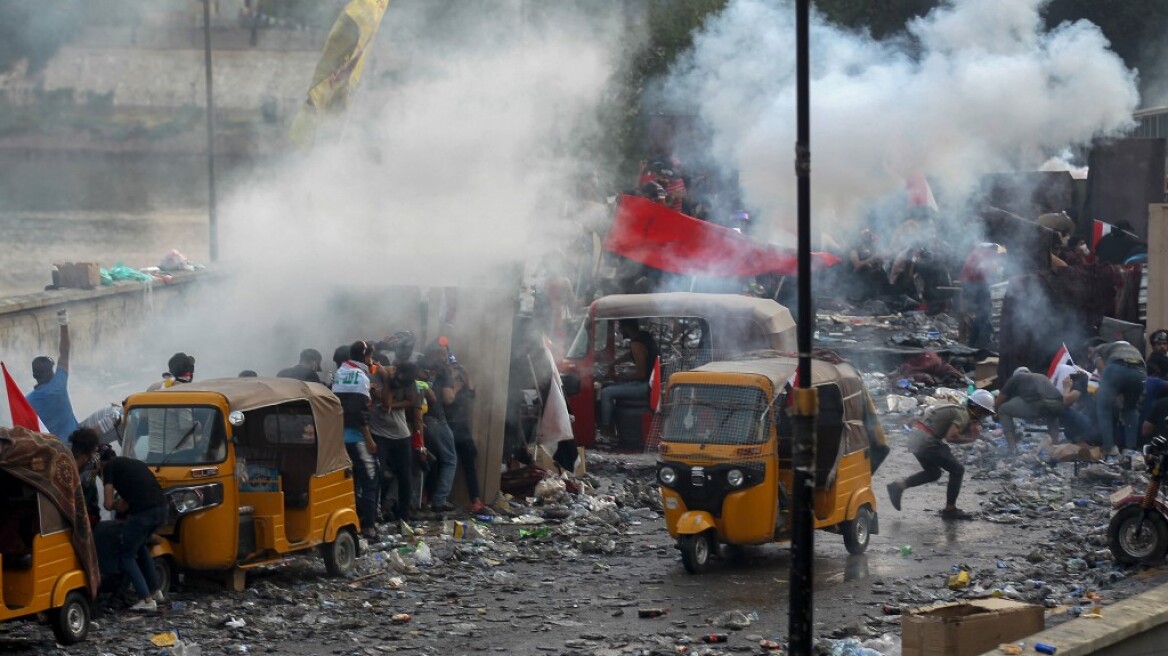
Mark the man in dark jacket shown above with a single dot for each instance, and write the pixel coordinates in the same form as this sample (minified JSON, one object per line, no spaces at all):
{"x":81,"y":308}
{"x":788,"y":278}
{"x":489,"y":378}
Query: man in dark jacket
{"x":307,"y":369}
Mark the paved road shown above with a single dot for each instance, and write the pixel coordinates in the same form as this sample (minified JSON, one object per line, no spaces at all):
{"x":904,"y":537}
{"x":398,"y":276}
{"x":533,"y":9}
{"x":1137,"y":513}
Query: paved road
{"x":552,"y":596}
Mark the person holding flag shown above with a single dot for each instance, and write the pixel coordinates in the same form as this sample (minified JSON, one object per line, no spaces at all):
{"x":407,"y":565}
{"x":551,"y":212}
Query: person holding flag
{"x":50,"y":397}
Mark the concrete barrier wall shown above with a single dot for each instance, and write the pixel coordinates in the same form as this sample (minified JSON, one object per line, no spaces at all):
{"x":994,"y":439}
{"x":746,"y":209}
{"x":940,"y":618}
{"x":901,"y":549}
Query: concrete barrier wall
{"x":104,"y":322}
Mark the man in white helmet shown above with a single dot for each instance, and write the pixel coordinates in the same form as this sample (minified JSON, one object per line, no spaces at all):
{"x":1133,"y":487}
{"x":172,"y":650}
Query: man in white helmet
{"x":929,"y":441}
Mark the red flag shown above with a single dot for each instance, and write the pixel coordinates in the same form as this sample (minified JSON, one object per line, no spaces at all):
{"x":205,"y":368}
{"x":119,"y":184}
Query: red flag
{"x":1061,"y":366}
{"x":655,"y":386}
{"x":1059,"y":358}
{"x":653,"y":234}
{"x":1098,"y":229}
{"x":19,"y":411}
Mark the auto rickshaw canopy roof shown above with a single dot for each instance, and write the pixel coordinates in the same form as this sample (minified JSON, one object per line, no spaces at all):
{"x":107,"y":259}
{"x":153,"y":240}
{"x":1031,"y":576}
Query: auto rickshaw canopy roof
{"x":781,"y":368}
{"x":737,"y":323}
{"x":246,"y":394}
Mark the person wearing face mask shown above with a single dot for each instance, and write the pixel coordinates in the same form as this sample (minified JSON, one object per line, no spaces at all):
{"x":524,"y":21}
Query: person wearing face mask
{"x":352,"y":387}
{"x":85,"y":443}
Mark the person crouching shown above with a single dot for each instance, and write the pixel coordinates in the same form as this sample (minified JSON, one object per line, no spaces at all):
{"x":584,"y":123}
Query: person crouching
{"x":929,"y":441}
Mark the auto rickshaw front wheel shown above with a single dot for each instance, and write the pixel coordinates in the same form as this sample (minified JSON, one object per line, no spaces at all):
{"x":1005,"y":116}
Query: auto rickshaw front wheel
{"x":164,"y":573}
{"x":340,"y":555}
{"x":71,"y":621}
{"x":695,"y":551}
{"x":858,"y":531}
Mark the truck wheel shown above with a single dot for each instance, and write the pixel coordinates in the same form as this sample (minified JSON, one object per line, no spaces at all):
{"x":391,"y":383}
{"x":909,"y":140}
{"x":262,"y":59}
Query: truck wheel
{"x":1132,"y":542}
{"x":858,"y":531}
{"x":164,"y":573}
{"x":71,"y":621}
{"x":340,"y":556}
{"x":695,"y":551}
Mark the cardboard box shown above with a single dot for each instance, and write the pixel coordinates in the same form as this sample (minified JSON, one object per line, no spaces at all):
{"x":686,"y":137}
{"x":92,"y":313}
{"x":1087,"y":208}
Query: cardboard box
{"x":968,"y":628}
{"x":1075,"y":452}
{"x":78,"y":275}
{"x":986,"y":369}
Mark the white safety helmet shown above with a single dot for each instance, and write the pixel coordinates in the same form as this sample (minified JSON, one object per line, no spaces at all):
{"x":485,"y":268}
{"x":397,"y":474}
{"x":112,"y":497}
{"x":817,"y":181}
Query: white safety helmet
{"x":983,"y":399}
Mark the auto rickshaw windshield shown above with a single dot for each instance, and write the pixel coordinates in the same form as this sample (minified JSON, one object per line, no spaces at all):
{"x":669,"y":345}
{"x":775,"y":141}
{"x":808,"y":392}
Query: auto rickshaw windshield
{"x":716,"y":414}
{"x":175,"y":435}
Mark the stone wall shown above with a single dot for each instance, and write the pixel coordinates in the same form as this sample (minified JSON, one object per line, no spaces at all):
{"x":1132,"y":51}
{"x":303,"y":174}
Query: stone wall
{"x":244,"y":79}
{"x":104,"y":322}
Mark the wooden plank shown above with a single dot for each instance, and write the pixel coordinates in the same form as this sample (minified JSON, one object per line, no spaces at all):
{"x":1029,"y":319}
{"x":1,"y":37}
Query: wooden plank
{"x":1157,"y":307}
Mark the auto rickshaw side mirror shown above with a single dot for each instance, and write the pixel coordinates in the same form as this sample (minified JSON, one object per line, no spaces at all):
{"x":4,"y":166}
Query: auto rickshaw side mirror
{"x":571,"y":384}
{"x":236,"y":418}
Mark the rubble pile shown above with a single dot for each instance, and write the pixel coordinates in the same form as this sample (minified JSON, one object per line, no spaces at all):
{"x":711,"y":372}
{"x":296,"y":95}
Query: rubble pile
{"x":441,"y":582}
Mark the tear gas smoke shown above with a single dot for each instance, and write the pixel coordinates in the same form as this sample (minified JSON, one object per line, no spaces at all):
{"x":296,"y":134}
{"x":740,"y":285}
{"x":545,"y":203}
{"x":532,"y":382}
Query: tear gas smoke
{"x":1063,"y":162}
{"x":451,"y":168}
{"x":975,"y":86}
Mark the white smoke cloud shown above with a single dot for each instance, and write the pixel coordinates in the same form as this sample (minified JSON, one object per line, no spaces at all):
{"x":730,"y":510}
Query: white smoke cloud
{"x":451,"y":167}
{"x":975,"y":87}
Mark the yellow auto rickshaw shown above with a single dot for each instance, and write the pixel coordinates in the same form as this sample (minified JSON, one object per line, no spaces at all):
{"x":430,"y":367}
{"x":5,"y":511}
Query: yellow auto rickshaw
{"x":255,"y":468}
{"x":725,"y":455}
{"x":48,"y":564}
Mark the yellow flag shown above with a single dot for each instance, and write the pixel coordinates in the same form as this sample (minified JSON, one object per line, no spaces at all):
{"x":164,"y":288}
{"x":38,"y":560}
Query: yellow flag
{"x":339,"y":69}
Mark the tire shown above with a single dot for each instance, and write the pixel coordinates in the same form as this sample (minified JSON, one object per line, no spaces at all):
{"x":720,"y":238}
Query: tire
{"x":71,"y":621}
{"x":695,"y":551}
{"x":1128,"y":547}
{"x":164,"y":573}
{"x":858,"y":531}
{"x":340,"y":555}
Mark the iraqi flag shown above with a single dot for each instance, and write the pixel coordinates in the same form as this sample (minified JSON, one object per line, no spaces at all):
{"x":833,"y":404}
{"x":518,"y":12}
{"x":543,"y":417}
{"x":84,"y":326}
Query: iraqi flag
{"x":920,"y":194}
{"x":1098,"y":229}
{"x":1060,"y":367}
{"x":15,"y":410}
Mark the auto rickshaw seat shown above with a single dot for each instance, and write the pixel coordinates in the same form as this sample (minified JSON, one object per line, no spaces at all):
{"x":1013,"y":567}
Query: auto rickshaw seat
{"x":297,"y":466}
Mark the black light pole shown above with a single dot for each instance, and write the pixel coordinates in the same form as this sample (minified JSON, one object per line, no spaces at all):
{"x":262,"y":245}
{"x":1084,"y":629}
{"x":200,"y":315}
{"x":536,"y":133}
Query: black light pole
{"x":805,"y":404}
{"x":212,"y":214}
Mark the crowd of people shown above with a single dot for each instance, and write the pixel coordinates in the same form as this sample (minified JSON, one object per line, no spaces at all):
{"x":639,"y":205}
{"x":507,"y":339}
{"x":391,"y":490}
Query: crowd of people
{"x":407,"y":429}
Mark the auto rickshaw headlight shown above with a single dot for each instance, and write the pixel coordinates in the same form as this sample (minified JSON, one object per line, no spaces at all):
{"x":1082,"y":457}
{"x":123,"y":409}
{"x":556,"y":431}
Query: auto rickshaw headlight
{"x":186,"y":500}
{"x":667,"y":475}
{"x":735,"y":477}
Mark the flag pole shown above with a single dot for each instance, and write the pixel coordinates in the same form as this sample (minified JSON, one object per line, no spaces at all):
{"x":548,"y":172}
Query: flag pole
{"x":805,"y":401}
{"x":212,"y":211}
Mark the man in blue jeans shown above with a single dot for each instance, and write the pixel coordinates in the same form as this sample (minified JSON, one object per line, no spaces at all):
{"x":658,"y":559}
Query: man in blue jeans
{"x":131,"y":489}
{"x":1122,"y":374}
{"x":632,"y":385}
{"x":439,"y":438}
{"x":351,"y":385}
